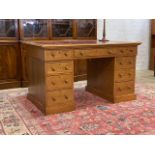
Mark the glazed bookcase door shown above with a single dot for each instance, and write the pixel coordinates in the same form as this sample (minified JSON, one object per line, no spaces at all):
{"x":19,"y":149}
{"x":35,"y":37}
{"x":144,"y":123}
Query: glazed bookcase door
{"x":83,"y":29}
{"x":86,"y":28}
{"x":34,"y":29}
{"x":8,"y":29}
{"x":62,"y":28}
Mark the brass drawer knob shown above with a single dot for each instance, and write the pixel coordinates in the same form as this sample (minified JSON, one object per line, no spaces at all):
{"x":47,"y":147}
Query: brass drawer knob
{"x":129,"y":62}
{"x":131,"y":50}
{"x":65,"y":81}
{"x":120,"y":75}
{"x":122,"y":51}
{"x":53,"y":99}
{"x":66,"y":54}
{"x":119,"y":89}
{"x":53,"y":69}
{"x":66,"y":97}
{"x":66,"y":68}
{"x":129,"y":74}
{"x":53,"y":83}
{"x":120,"y":63}
{"x":81,"y":53}
{"x":53,"y":55}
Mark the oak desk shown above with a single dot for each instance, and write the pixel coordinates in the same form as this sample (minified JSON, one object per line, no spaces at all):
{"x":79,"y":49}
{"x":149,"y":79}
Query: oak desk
{"x":110,"y":70}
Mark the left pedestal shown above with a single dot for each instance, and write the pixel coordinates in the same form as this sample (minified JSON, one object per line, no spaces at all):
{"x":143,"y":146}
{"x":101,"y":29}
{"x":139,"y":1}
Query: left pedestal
{"x":51,"y":82}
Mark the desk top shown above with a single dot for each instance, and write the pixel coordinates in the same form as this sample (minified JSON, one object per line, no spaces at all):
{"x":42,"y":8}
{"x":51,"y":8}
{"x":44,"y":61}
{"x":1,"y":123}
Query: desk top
{"x":77,"y":43}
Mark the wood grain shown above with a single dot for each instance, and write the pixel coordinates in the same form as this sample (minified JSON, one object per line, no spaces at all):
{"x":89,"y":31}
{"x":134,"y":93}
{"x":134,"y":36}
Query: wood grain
{"x":10,"y":64}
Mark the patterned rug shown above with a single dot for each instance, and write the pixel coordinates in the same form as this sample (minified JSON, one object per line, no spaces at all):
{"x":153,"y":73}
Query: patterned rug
{"x":93,"y":115}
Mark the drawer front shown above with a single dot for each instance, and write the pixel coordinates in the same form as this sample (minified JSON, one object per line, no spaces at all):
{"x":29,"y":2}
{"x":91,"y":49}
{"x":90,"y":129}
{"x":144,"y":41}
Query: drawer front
{"x":59,"y":82}
{"x":124,"y":75}
{"x":126,"y":51}
{"x":94,"y":53}
{"x":61,"y":97}
{"x":59,"y":68}
{"x":58,"y":55}
{"x":125,"y":62}
{"x":124,"y":88}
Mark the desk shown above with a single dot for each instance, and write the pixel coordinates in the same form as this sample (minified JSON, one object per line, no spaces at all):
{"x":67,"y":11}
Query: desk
{"x":110,"y":72}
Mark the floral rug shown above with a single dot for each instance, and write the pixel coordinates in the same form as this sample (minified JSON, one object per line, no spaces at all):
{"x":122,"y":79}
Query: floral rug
{"x":93,"y":115}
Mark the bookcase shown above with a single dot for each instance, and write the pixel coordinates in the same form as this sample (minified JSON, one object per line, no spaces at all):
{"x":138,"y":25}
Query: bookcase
{"x":10,"y":60}
{"x":52,"y":29}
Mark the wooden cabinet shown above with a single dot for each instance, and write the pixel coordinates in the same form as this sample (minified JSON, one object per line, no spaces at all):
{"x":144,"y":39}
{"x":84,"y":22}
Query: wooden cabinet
{"x":9,"y":54}
{"x":152,"y":54}
{"x":10,"y":65}
{"x":152,"y":49}
{"x":153,"y":26}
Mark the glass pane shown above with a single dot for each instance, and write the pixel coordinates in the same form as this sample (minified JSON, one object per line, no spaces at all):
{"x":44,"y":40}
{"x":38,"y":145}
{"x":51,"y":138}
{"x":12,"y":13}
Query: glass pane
{"x":62,"y":28}
{"x":7,"y":28}
{"x":35,"y":28}
{"x":86,"y":28}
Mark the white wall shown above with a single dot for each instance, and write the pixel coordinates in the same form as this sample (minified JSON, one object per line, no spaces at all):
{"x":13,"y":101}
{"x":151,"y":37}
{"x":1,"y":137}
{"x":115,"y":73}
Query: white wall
{"x":130,"y":30}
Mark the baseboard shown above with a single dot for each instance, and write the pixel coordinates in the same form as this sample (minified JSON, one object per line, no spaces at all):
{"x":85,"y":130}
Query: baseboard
{"x":9,"y":84}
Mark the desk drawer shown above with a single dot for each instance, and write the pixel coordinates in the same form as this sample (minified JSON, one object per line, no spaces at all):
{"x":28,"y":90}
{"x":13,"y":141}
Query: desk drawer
{"x":58,"y":55}
{"x":126,"y":51}
{"x":125,"y":62}
{"x":59,"y":68}
{"x":59,"y":82}
{"x":59,"y":97}
{"x":93,"y":53}
{"x":124,"y":88}
{"x":124,"y":75}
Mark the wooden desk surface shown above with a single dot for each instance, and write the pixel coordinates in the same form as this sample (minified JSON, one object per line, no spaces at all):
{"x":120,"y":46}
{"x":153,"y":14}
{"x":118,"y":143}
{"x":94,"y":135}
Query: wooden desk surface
{"x":50,"y":44}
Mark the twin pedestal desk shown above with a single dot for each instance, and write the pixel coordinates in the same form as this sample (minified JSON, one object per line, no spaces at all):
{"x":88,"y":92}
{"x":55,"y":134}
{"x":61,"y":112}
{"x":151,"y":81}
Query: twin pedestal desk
{"x":110,"y":72}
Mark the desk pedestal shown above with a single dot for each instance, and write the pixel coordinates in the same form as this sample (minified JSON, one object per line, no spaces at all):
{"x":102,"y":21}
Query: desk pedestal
{"x":115,"y":85}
